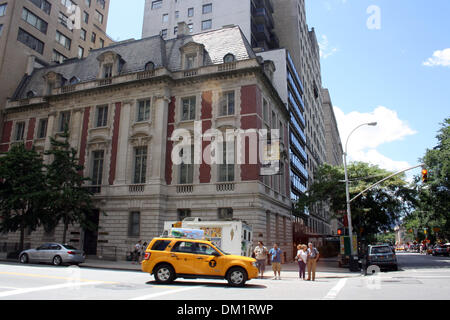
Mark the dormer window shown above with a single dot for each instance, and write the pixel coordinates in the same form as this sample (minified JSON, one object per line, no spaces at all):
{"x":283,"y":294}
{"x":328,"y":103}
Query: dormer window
{"x":229,"y":58}
{"x":150,"y":66}
{"x":191,"y":61}
{"x":192,"y":55}
{"x":110,"y":65}
{"x":53,"y":80}
{"x":50,"y":87}
{"x":107,"y":70}
{"x":30,"y":94}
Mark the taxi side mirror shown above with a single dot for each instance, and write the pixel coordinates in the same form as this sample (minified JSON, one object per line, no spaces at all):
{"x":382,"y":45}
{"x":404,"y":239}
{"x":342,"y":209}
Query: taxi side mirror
{"x":215,"y":254}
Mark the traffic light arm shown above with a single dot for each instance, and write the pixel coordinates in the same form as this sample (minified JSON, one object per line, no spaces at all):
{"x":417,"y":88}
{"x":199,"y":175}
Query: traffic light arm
{"x":381,"y":181}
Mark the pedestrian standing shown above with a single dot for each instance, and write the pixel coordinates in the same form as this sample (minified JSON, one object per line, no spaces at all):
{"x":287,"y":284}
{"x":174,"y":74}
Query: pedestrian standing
{"x":275,"y":256}
{"x":143,"y":249}
{"x":261,"y":258}
{"x":312,"y":257}
{"x":136,"y":252}
{"x":302,"y":257}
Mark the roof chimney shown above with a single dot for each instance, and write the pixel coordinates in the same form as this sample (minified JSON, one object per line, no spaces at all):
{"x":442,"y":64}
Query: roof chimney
{"x":183,"y":29}
{"x":30,"y":64}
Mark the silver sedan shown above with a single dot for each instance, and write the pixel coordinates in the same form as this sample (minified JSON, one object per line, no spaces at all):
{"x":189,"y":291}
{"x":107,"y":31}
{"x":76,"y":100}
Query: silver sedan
{"x":54,"y":253}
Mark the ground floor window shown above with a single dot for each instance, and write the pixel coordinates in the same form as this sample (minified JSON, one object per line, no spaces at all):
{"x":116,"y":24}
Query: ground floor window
{"x":134,"y":224}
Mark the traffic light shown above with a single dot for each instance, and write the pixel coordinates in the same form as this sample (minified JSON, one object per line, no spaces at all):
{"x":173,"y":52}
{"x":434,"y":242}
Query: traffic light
{"x":424,"y":175}
{"x":342,"y":231}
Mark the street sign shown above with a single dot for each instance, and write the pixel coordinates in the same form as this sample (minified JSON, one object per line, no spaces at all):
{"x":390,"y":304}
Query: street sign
{"x":436,"y":229}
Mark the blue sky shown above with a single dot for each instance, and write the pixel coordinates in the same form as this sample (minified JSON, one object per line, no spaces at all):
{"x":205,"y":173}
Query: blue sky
{"x":365,"y":68}
{"x":394,"y":70}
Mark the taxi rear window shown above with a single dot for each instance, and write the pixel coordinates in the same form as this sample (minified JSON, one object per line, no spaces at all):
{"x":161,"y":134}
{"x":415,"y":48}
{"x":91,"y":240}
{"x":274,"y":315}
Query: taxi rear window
{"x":160,"y":245}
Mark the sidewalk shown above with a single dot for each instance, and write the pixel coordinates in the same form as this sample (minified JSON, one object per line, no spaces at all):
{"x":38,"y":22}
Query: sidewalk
{"x":326,"y":268}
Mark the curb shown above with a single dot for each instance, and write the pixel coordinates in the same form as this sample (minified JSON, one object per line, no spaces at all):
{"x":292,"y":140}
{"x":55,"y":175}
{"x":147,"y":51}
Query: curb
{"x":336,"y":275}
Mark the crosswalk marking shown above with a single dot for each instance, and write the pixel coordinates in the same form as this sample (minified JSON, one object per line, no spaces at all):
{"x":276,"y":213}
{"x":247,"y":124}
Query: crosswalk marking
{"x":164,"y":293}
{"x":332,"y":294}
{"x":46,"y":288}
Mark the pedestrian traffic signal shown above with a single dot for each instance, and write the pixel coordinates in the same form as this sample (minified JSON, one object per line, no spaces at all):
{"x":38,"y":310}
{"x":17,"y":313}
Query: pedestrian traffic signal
{"x":424,"y":175}
{"x":339,"y":232}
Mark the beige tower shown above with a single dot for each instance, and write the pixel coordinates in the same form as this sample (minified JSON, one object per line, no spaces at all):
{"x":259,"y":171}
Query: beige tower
{"x":36,"y":33}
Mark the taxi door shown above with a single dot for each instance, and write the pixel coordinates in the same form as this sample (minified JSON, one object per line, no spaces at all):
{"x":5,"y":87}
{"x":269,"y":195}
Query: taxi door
{"x":183,"y":257}
{"x":209,"y":262}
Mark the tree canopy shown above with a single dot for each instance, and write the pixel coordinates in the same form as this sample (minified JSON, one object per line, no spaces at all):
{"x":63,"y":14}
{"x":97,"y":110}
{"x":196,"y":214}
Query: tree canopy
{"x":70,"y":200}
{"x":23,"y":191}
{"x":433,"y":208}
{"x":377,"y":210}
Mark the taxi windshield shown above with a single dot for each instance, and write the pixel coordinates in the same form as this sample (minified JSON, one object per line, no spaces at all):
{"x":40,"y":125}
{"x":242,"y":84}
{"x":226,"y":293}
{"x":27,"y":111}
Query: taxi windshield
{"x":221,"y":251}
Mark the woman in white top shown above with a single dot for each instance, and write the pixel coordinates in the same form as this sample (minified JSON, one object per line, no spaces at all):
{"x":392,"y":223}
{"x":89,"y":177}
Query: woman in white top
{"x":302,"y":257}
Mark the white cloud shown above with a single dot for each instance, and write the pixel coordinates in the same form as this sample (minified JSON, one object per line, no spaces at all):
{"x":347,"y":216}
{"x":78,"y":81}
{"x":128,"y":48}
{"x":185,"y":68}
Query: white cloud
{"x":439,"y":58}
{"x":363,"y":143}
{"x":325,"y":49}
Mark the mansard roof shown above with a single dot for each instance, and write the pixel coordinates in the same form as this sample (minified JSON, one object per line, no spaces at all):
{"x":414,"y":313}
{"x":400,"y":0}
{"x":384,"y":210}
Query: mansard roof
{"x":137,"y":53}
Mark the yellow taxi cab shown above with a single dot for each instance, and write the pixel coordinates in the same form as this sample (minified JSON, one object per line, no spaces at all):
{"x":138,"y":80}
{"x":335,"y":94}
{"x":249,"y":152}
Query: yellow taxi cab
{"x":170,"y":258}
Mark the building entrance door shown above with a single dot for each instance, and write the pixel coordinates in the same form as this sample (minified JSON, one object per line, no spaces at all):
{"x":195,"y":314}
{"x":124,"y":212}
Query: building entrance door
{"x":91,"y":236}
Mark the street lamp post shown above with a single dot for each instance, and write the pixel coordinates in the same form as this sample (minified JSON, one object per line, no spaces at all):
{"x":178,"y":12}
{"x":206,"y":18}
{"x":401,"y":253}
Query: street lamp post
{"x":347,"y":194}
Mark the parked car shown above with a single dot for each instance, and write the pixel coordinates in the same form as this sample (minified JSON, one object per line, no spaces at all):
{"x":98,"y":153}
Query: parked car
{"x":54,"y":253}
{"x":171,"y":258}
{"x":382,"y":256}
{"x":440,"y":250}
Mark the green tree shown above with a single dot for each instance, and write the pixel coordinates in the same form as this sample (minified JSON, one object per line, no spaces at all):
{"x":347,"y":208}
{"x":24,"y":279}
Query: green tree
{"x":377,"y":210}
{"x":71,"y":202}
{"x":23,"y":191}
{"x":434,"y":196}
{"x":386,"y":237}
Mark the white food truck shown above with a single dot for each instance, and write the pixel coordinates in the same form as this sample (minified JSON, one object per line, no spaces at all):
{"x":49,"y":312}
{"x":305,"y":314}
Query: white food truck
{"x":233,"y":237}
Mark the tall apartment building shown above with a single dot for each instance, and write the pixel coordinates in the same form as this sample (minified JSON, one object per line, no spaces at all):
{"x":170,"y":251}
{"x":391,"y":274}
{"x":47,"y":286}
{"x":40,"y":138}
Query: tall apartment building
{"x":295,"y":35}
{"x":122,"y":105}
{"x":37,"y":33}
{"x":334,"y":149}
{"x":254,"y":17}
{"x":290,"y":87}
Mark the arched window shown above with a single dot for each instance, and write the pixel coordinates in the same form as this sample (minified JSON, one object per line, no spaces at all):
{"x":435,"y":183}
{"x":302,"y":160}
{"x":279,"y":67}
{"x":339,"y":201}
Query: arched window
{"x":150,"y":66}
{"x":229,"y":58}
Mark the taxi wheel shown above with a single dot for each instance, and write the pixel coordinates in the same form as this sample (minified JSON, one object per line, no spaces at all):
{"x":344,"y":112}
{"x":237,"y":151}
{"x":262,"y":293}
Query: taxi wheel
{"x":237,"y":277}
{"x":164,"y":274}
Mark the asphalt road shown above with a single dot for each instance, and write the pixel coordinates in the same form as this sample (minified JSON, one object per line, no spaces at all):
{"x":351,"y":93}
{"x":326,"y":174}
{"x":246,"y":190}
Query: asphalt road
{"x":420,"y":278}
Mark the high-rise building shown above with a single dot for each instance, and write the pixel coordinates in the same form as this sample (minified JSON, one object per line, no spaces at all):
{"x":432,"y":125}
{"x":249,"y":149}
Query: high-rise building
{"x":290,"y":87}
{"x":333,"y":148}
{"x":37,"y":33}
{"x":254,"y":17}
{"x":294,"y":34}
